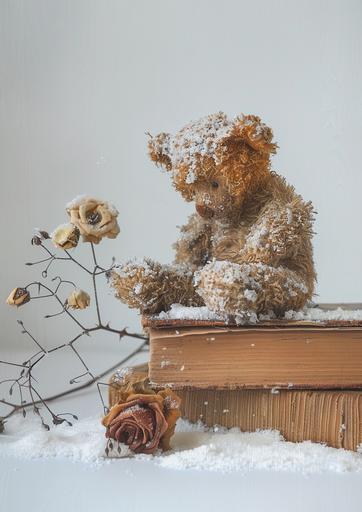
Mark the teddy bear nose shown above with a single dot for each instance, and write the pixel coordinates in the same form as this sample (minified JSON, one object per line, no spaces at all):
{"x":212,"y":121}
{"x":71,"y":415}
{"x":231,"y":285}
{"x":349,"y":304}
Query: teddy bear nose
{"x":204,"y":211}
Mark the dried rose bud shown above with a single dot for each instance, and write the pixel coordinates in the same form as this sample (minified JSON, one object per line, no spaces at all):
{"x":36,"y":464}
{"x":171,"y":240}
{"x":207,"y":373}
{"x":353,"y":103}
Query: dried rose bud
{"x":36,"y":240}
{"x":66,"y":236}
{"x":39,"y":236}
{"x":79,"y":299}
{"x":18,"y":297}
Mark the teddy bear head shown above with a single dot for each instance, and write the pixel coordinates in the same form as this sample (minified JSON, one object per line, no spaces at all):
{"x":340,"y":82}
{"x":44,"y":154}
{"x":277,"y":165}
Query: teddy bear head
{"x":216,"y":162}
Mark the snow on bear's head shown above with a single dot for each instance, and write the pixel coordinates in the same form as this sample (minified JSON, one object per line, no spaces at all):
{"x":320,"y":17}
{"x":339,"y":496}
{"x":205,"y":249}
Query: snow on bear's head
{"x":216,"y":162}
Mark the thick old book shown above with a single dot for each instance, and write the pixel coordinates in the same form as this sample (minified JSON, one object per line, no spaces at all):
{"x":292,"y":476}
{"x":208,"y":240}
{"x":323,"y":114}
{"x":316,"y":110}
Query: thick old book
{"x":279,"y":354}
{"x":333,"y":417}
{"x":324,"y":416}
{"x":303,"y":378}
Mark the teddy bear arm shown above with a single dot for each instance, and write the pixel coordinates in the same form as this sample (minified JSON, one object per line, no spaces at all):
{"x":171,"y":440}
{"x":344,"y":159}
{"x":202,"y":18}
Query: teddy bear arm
{"x":152,"y":287}
{"x":279,"y":233}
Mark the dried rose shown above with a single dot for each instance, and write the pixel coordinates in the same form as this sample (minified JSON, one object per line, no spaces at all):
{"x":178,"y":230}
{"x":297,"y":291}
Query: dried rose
{"x":144,"y":422}
{"x":78,"y":299}
{"x":65,"y":236}
{"x":18,"y":297}
{"x":95,"y":219}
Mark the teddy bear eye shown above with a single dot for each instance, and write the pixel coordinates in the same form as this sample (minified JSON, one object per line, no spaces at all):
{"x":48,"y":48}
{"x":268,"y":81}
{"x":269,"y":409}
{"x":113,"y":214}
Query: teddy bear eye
{"x":214,"y":184}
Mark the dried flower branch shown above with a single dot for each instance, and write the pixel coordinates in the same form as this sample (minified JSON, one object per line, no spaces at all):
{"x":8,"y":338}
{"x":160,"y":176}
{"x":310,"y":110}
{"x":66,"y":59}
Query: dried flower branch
{"x":94,"y":220}
{"x":62,"y":394}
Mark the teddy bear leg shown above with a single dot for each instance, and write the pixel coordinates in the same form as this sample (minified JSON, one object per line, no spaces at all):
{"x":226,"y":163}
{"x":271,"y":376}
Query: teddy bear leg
{"x":152,"y":287}
{"x":251,"y":287}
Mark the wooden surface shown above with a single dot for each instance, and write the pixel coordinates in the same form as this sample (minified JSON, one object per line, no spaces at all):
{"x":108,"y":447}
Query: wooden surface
{"x":229,"y":358}
{"x":331,"y":417}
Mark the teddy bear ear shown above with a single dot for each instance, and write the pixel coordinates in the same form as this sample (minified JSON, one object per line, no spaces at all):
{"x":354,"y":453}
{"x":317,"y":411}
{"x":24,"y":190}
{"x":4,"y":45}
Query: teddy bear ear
{"x":159,"y":149}
{"x":254,"y":132}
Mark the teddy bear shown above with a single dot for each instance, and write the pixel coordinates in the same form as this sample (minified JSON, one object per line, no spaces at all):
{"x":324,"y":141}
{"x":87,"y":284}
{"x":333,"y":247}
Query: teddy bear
{"x":247,"y":249}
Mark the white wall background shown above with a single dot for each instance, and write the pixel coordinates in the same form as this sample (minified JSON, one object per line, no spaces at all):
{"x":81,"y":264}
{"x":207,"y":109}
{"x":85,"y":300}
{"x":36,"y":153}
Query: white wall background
{"x":81,"y":82}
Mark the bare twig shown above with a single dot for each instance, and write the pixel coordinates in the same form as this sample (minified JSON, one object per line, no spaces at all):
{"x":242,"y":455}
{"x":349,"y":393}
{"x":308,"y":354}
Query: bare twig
{"x":25,"y":380}
{"x":76,"y":389}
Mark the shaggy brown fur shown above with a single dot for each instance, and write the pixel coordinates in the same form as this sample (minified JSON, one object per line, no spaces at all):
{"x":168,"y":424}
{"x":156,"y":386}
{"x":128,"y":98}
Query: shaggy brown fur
{"x":248,"y":246}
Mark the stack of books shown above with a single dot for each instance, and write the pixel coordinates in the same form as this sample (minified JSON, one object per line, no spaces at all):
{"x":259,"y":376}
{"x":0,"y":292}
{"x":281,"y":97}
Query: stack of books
{"x":302,"y":378}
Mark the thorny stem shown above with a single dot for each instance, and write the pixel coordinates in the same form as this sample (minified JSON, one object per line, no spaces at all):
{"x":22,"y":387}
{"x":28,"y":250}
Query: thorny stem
{"x":12,"y":364}
{"x":25,"y":331}
{"x":94,"y":255}
{"x":54,"y":294}
{"x":95,"y":284}
{"x":83,"y":363}
{"x":53,"y":257}
{"x":77,"y":262}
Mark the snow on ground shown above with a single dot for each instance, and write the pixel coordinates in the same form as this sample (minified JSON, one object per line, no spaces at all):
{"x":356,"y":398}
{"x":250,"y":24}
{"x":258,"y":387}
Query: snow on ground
{"x":27,"y":439}
{"x":194,"y":447}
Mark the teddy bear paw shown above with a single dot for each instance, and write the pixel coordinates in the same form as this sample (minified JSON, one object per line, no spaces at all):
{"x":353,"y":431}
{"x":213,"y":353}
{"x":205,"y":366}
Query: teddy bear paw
{"x":225,"y":288}
{"x":135,"y":284}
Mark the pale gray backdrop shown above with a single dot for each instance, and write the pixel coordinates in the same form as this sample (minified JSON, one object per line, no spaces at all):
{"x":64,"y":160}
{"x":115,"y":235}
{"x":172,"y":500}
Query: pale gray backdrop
{"x":82,"y":81}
